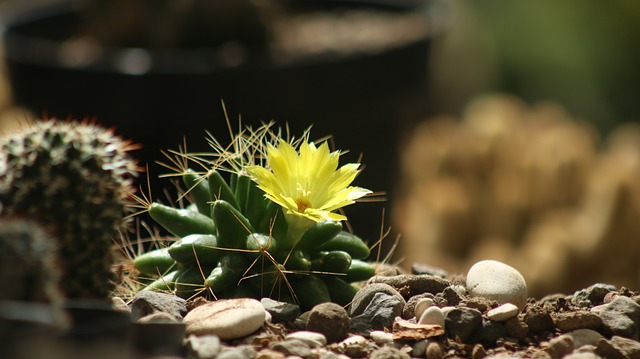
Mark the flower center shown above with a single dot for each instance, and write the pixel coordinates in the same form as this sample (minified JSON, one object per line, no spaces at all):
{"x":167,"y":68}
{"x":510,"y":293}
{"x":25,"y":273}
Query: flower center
{"x":303,"y":204}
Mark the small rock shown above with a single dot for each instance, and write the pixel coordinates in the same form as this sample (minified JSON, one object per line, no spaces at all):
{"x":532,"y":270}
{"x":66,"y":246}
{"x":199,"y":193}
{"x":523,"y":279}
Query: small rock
{"x":452,"y":294}
{"x":267,"y":353}
{"x":619,"y":317}
{"x":281,"y":312}
{"x":434,"y":351}
{"x":618,"y":347}
{"x":291,"y":347}
{"x":378,"y":315}
{"x":503,"y":312}
{"x":538,"y":319}
{"x":478,"y":352}
{"x":421,"y":306}
{"x":432,"y":315}
{"x":312,"y":339}
{"x":381,"y":337}
{"x":462,"y":322}
{"x":239,"y":352}
{"x":497,"y":281}
{"x":203,"y":347}
{"x":226,"y":318}
{"x":409,"y":285}
{"x":517,"y":328}
{"x":363,"y":297}
{"x":329,"y":319}
{"x":560,"y":346}
{"x":569,"y":321}
{"x":593,"y":295}
{"x":480,"y":303}
{"x":582,"y":337}
{"x":355,"y":346}
{"x":491,"y":331}
{"x":419,"y":348}
{"x":158,"y":317}
{"x":389,"y":352}
{"x":148,"y":302}
{"x":409,"y":309}
{"x":419,"y":268}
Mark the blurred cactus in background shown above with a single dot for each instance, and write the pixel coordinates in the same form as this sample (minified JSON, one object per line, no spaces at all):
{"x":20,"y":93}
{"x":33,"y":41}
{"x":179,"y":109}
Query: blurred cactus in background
{"x":74,"y":178}
{"x":530,"y":186}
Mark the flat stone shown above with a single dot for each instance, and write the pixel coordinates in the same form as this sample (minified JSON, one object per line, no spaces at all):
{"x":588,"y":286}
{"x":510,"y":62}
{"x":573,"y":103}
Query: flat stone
{"x":363,"y":297}
{"x":281,"y":312}
{"x":148,"y":302}
{"x":378,"y":315}
{"x":497,"y":281}
{"x":503,"y":312}
{"x":421,"y":306}
{"x":618,"y":347}
{"x":226,"y":318}
{"x":582,"y":337}
{"x":292,"y":347}
{"x":381,"y":337}
{"x":329,"y":319}
{"x":313,"y":339}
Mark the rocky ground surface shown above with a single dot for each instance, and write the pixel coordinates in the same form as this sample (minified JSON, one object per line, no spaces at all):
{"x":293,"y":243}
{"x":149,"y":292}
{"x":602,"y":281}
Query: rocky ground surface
{"x":485,"y":314}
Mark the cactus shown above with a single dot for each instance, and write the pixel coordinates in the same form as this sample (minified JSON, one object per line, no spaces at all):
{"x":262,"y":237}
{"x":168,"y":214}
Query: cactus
{"x":235,"y":241}
{"x":28,"y":263}
{"x":75,"y":178}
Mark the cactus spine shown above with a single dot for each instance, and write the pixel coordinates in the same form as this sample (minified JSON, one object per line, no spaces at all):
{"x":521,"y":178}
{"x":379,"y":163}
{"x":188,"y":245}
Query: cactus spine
{"x":75,"y":178}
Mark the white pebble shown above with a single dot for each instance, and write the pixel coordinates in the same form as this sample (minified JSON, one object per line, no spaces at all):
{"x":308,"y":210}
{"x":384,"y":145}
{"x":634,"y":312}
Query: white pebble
{"x":312,"y":339}
{"x":497,"y":281}
{"x":503,"y":312}
{"x":445,"y":310}
{"x":432,"y":316}
{"x":381,"y":337}
{"x":421,"y":306}
{"x":419,"y":348}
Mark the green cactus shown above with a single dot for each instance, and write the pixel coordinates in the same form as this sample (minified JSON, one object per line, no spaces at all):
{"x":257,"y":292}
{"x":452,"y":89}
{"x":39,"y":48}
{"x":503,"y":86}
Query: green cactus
{"x":234,"y":241}
{"x":28,"y":271}
{"x":74,"y":177}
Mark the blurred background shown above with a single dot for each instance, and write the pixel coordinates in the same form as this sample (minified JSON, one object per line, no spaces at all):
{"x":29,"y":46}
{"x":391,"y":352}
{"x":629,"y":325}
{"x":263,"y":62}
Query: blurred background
{"x":500,"y":130}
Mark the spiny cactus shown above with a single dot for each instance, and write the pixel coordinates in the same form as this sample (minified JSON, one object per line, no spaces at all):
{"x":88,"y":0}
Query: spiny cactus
{"x":235,"y":241}
{"x":28,"y":269}
{"x":75,"y":178}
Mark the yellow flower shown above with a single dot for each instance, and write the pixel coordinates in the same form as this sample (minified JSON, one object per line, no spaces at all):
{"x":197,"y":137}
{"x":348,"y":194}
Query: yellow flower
{"x":310,"y":184}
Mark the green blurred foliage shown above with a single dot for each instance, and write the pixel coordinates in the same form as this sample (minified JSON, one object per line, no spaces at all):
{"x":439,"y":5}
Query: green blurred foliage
{"x":583,"y":54}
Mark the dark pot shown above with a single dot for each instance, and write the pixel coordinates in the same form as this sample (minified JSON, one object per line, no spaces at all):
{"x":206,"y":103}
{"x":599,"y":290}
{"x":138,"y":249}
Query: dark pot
{"x":155,"y":97}
{"x":96,"y":322}
{"x":159,"y":338}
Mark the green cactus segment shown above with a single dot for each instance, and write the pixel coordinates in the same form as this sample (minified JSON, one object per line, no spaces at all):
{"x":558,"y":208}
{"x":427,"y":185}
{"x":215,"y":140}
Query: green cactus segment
{"x":198,"y":188}
{"x":155,"y":262}
{"x":232,"y":225}
{"x":318,"y":234}
{"x":349,"y":243}
{"x":181,"y":222}
{"x":240,"y":246}
{"x":340,"y":291}
{"x":310,"y":291}
{"x":75,"y":178}
{"x":227,"y":274}
{"x":220,"y":190}
{"x":359,"y":271}
{"x":196,"y":249}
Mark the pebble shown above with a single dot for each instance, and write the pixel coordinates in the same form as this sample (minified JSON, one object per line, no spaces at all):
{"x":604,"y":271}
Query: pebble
{"x":329,"y":319}
{"x":618,"y":347}
{"x":421,"y":306}
{"x":363,"y":297}
{"x":281,"y":312}
{"x":619,"y":317}
{"x":389,"y":352}
{"x":355,"y":346}
{"x":503,"y":312}
{"x":434,"y":351}
{"x":433,"y":316}
{"x":582,"y":337}
{"x":592,"y":295}
{"x":291,"y":347}
{"x":148,"y":302}
{"x":120,"y":305}
{"x":497,"y":281}
{"x":419,"y":348}
{"x":491,"y":331}
{"x":226,"y":318}
{"x":539,"y":319}
{"x":239,"y":352}
{"x":409,"y":285}
{"x":203,"y":347}
{"x":569,"y":321}
{"x":409,"y":310}
{"x":381,"y":337}
{"x":312,"y":339}
{"x":560,"y":346}
{"x":378,"y":315}
{"x":462,"y":322}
